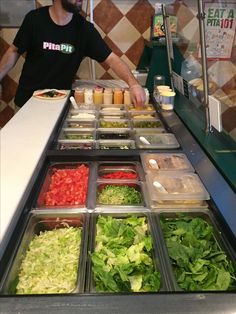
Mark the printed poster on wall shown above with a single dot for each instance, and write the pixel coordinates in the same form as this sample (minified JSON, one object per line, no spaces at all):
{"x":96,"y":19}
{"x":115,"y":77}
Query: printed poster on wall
{"x":220,"y":24}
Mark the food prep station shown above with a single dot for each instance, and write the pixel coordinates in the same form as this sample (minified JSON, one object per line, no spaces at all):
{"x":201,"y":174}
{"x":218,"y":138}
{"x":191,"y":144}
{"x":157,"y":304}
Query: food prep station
{"x":156,"y":188}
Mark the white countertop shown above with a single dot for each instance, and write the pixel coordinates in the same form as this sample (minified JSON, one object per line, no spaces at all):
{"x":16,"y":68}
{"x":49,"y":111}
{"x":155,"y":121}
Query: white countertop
{"x":22,"y":142}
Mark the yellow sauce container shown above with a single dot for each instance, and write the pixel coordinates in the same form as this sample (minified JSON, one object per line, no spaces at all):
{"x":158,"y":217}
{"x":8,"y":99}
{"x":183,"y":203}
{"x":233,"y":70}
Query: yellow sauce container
{"x":118,"y":96}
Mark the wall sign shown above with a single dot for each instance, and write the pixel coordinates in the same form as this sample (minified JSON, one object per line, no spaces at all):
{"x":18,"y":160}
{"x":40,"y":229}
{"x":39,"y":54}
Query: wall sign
{"x":220,"y":24}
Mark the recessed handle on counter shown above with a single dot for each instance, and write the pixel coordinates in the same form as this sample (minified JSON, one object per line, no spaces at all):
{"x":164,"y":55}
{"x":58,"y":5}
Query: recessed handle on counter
{"x":74,"y":104}
{"x":144,"y":140}
{"x":160,"y":187}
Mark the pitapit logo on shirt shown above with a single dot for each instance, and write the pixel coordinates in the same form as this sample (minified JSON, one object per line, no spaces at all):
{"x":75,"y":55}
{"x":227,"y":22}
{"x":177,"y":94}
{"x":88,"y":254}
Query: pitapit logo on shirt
{"x":64,"y":48}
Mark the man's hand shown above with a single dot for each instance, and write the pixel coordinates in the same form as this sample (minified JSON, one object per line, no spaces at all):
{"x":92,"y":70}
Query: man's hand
{"x":138,"y":95}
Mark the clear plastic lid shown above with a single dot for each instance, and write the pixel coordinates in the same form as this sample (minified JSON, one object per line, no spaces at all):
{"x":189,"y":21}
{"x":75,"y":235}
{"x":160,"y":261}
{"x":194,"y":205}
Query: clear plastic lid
{"x":173,"y":186}
{"x":166,"y":162}
{"x":159,"y":140}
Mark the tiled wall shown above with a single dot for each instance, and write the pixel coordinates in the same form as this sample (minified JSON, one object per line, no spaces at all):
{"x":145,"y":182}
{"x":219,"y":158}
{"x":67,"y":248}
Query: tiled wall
{"x":124,"y":24}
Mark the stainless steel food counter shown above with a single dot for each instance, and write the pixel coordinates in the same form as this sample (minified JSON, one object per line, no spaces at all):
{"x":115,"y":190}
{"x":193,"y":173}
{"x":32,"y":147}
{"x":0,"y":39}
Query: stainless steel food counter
{"x":223,"y":207}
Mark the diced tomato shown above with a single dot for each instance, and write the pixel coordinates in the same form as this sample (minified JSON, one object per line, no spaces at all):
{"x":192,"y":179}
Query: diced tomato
{"x":120,"y":175}
{"x":68,"y":187}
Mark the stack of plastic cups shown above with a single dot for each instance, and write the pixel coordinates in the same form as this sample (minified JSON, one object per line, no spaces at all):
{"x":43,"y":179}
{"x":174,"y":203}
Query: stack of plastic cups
{"x":159,"y":90}
{"x":167,"y":98}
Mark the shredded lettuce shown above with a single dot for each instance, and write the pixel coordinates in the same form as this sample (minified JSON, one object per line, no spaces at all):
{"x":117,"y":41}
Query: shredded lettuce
{"x":51,"y":262}
{"x":119,"y":195}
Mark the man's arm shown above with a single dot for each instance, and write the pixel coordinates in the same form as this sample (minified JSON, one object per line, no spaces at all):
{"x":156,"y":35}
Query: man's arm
{"x":8,"y":60}
{"x":124,"y":73}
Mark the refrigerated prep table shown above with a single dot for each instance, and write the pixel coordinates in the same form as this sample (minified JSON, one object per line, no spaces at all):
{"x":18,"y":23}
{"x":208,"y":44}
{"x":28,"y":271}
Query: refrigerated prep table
{"x":24,"y":153}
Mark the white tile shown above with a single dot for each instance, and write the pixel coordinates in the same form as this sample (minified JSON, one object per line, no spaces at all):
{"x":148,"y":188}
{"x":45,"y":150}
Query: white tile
{"x":84,"y":71}
{"x":8,"y":34}
{"x":99,"y":70}
{"x":124,"y":34}
{"x":146,"y":35}
{"x":123,"y":5}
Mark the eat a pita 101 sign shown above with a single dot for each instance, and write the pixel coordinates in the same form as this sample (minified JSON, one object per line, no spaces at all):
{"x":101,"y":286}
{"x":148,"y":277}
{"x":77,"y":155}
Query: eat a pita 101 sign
{"x":220,"y":29}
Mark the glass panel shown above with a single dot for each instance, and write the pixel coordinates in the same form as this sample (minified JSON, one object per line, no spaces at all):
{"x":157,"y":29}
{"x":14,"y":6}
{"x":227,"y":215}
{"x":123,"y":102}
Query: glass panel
{"x":220,"y":22}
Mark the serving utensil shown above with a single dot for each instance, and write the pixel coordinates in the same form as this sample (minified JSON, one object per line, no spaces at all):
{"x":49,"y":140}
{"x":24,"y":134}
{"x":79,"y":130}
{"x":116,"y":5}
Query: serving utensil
{"x":144,"y":140}
{"x":153,"y":163}
{"x":73,"y":102}
{"x":160,"y":187}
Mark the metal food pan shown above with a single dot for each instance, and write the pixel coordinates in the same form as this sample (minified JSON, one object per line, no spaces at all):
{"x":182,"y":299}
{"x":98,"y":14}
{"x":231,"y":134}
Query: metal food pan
{"x":52,"y":168}
{"x":218,"y":239}
{"x":133,"y":108}
{"x":112,"y":108}
{"x":115,"y":134}
{"x":113,"y":123}
{"x":77,"y":135}
{"x":40,"y":223}
{"x":76,"y":145}
{"x":82,"y":114}
{"x":109,"y":203}
{"x":111,"y":167}
{"x":115,"y":144}
{"x":80,"y":124}
{"x":142,"y":115}
{"x":112,"y":114}
{"x":147,"y":124}
{"x":155,"y":254}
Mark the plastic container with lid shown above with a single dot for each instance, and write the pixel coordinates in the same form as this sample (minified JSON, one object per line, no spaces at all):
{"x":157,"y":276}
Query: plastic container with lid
{"x":158,"y":140}
{"x":167,"y":99}
{"x":166,"y":162}
{"x":173,"y":189}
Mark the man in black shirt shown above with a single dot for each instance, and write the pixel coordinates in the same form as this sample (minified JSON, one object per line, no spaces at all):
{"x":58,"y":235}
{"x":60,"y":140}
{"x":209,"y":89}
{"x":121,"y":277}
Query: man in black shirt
{"x":56,"y":39}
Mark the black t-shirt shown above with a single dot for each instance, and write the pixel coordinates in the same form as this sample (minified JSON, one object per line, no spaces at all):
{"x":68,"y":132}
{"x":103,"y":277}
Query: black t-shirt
{"x":53,"y":52}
